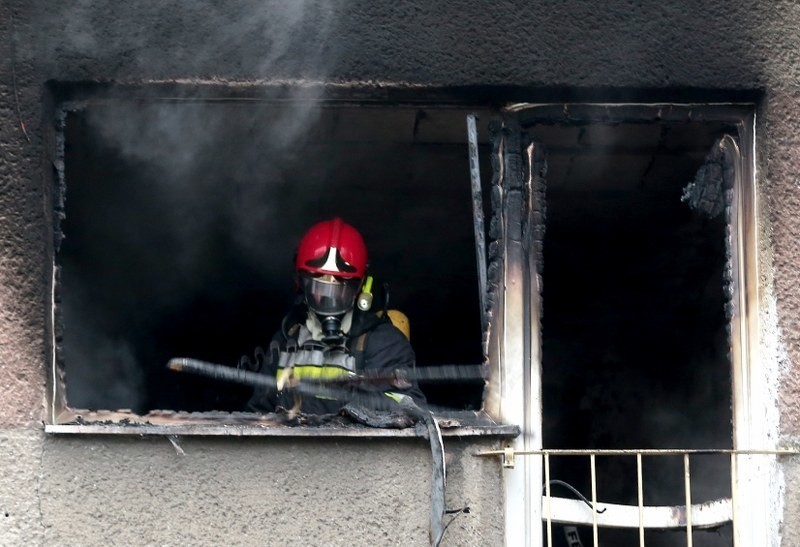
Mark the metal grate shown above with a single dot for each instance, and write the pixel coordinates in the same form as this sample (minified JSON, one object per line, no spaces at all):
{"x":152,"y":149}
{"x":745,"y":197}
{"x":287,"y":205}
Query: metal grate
{"x":597,"y":514}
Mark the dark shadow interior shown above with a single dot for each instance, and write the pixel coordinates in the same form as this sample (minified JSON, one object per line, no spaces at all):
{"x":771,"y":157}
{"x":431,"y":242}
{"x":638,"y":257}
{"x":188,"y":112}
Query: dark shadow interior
{"x":635,"y":344}
{"x":182,"y":219}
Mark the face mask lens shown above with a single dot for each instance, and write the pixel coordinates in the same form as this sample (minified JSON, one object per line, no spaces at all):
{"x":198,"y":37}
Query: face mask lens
{"x":326,"y":295}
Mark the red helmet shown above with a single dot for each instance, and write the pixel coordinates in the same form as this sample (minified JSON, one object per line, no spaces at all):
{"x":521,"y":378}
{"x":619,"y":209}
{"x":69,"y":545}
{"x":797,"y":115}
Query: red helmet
{"x":332,"y":247}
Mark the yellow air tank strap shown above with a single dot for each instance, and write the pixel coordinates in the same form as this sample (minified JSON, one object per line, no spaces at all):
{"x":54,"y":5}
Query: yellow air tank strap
{"x":314,"y":372}
{"x":400,"y":321}
{"x":285,"y":376}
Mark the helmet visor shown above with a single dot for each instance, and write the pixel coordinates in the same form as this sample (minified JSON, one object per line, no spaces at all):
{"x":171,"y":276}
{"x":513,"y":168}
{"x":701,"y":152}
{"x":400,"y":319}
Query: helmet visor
{"x":326,"y":295}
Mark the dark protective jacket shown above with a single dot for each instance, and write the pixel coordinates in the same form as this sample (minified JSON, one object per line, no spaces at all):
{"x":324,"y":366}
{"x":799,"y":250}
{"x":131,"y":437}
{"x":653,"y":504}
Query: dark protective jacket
{"x":373,"y":346}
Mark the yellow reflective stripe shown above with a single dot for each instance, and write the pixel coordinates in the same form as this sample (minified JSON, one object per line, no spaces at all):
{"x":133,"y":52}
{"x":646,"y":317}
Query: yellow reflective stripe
{"x":393,"y":396}
{"x":396,"y":397}
{"x":311,"y":372}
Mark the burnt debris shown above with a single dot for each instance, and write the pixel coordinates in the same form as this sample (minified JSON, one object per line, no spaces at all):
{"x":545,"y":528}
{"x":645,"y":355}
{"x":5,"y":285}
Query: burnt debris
{"x":709,"y":192}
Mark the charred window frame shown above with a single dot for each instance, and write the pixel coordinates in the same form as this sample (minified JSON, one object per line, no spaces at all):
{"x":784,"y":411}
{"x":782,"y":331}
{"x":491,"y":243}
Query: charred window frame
{"x":428,"y":125}
{"x":516,"y":326}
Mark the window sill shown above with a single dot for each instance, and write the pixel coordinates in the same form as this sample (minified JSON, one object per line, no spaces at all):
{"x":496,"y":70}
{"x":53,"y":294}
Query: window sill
{"x":239,"y":424}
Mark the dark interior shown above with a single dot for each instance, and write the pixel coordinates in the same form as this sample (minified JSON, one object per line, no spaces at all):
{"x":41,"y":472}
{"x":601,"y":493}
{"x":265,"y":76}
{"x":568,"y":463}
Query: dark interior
{"x":635,"y":344}
{"x":182,"y":219}
{"x":634,"y":317}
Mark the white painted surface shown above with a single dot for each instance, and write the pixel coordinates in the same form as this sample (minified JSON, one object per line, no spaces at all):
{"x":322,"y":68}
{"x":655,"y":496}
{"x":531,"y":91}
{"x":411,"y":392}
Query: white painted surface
{"x":571,"y":511}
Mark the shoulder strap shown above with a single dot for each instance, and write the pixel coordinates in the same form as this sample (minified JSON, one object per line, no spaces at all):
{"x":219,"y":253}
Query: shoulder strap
{"x":358,"y":350}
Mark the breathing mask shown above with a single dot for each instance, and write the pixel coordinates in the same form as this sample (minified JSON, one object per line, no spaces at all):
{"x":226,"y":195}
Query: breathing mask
{"x":330,"y":298}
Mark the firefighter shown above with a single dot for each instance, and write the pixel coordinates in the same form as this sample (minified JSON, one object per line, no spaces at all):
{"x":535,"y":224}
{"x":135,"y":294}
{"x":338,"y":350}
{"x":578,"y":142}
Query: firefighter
{"x":326,"y":336}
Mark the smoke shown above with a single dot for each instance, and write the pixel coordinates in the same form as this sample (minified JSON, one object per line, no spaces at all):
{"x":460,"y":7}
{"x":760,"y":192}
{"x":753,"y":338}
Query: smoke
{"x":160,"y":41}
{"x":169,"y":200}
{"x":109,"y":361}
{"x":155,"y":229}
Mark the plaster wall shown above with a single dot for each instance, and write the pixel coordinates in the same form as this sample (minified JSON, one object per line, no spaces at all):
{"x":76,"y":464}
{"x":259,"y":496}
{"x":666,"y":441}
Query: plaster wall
{"x":557,"y":51}
{"x":244,"y":491}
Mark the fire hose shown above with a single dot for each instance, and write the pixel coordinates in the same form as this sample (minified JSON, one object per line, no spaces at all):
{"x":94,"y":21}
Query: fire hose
{"x":338,"y":390}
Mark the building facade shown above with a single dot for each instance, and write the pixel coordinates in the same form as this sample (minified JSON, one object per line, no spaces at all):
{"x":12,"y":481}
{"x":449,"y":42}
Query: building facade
{"x":78,"y":75}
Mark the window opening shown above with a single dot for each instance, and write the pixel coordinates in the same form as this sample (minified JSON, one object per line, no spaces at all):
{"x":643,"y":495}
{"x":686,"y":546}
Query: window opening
{"x":180,"y":221}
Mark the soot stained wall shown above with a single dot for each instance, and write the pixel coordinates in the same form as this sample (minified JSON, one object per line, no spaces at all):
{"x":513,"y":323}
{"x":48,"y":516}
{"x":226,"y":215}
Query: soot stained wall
{"x":557,"y":51}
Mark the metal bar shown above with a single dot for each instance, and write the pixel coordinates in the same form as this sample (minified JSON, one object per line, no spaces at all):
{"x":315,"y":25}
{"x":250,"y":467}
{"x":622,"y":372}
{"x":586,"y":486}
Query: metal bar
{"x":594,"y":501}
{"x":640,"y":488}
{"x":477,"y":215}
{"x":547,"y":497}
{"x":645,"y":452}
{"x":687,"y":478}
{"x":735,"y":498}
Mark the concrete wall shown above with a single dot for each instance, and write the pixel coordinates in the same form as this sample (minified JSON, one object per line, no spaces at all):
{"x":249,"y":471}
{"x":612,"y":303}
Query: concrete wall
{"x":104,"y":490}
{"x":235,"y":491}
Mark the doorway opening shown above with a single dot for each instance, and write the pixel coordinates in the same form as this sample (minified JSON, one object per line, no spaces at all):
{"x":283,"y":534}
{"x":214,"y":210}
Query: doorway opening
{"x":635,"y":315}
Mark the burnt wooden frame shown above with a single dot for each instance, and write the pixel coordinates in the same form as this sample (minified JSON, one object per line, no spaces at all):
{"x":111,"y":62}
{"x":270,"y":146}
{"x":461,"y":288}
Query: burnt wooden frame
{"x":513,"y":332}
